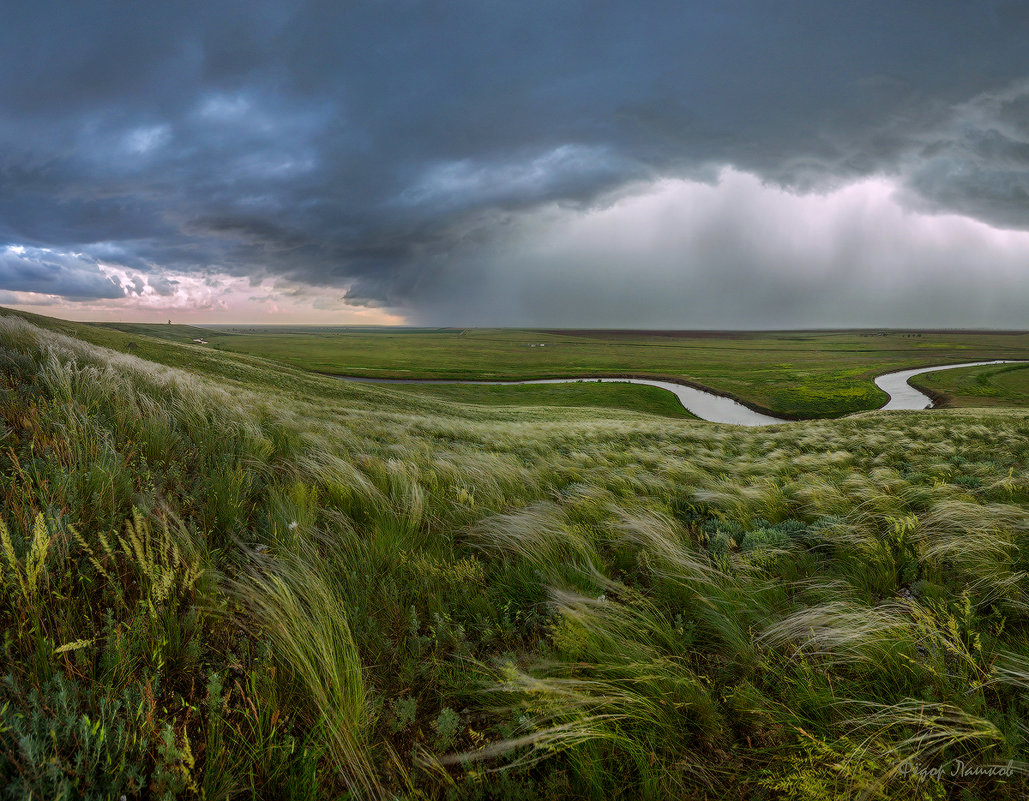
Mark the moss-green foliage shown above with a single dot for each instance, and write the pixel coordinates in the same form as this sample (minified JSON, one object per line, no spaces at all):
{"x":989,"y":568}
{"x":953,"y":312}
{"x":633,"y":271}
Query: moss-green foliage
{"x":583,"y":394}
{"x":221,"y":578}
{"x":990,"y":385}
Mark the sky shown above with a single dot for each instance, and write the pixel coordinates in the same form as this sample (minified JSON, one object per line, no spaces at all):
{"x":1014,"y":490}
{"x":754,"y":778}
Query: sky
{"x":548,"y":163}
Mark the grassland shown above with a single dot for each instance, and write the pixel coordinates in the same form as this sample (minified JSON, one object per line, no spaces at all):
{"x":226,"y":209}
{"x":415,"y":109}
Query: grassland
{"x":993,"y":385}
{"x":791,"y":374}
{"x":222,"y":577}
{"x":584,"y":395}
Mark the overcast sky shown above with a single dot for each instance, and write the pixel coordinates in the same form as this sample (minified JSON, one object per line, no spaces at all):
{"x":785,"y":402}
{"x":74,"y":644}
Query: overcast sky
{"x":739,"y":164}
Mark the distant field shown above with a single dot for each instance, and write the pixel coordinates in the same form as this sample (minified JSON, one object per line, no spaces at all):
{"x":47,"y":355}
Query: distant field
{"x":173,"y":333}
{"x":632,"y":397}
{"x":991,"y":385}
{"x":804,"y":374}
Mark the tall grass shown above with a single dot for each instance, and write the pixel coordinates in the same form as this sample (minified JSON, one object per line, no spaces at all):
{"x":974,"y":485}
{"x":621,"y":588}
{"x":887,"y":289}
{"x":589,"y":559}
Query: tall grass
{"x":226,"y":579}
{"x":297,"y":607}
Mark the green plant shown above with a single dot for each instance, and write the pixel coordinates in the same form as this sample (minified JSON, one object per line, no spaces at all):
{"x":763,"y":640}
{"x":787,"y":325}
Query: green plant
{"x":29,"y":572}
{"x":404,"y":712}
{"x":446,"y":725}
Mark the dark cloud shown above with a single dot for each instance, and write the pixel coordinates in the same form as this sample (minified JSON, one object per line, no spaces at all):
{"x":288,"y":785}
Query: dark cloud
{"x":381,"y":148}
{"x":75,"y":277}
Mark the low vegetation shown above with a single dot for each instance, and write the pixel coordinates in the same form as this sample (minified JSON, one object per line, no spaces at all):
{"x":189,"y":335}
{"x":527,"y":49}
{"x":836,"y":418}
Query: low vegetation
{"x":990,"y":385}
{"x":223,"y":578}
{"x":806,"y":374}
{"x":580,"y":394}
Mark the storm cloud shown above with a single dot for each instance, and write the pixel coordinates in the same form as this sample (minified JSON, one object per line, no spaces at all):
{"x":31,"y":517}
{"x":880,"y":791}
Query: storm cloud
{"x":72,"y":276}
{"x":447,"y":160}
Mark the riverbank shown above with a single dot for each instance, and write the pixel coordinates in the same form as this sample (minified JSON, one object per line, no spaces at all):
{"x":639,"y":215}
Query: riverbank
{"x":712,"y":405}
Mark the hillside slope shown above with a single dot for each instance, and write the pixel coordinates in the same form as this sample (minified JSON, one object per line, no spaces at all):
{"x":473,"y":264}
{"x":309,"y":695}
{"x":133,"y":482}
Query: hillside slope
{"x":222,"y":578}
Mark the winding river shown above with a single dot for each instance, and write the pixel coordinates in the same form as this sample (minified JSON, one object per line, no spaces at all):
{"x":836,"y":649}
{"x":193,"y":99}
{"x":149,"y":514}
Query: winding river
{"x":904,"y":396}
{"x":718,"y":408}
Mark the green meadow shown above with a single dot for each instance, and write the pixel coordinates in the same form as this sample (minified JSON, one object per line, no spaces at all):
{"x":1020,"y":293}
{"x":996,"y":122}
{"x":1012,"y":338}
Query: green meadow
{"x":988,"y":385}
{"x":791,"y":374}
{"x":584,"y":394}
{"x":225,"y":576}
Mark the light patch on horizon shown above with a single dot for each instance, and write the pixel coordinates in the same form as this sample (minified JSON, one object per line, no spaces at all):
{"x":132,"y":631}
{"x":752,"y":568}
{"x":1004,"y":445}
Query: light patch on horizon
{"x":189,"y":297}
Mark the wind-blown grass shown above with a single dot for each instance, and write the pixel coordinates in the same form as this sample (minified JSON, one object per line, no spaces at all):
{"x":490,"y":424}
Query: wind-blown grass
{"x":221,"y":578}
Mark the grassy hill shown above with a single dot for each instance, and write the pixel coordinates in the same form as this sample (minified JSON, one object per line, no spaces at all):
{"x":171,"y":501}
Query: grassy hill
{"x":225,"y":577}
{"x":170,"y":331}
